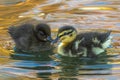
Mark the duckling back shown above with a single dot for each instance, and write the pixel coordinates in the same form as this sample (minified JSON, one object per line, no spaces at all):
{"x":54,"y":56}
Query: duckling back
{"x":22,"y":35}
{"x":20,"y":31}
{"x":93,"y":43}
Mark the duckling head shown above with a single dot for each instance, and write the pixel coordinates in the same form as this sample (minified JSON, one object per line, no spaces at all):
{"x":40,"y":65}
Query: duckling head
{"x":43,"y":32}
{"x":66,"y":34}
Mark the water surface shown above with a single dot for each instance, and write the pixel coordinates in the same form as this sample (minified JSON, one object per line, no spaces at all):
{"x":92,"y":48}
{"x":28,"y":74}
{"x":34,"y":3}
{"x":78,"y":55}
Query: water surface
{"x":85,"y":15}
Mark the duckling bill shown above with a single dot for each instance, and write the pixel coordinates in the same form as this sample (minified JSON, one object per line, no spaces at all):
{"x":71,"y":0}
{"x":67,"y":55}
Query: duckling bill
{"x":30,"y":38}
{"x":88,"y":44}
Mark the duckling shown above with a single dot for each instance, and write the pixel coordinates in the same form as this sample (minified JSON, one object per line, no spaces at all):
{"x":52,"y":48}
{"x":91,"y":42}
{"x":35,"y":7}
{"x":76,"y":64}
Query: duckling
{"x":88,"y":44}
{"x":30,"y":38}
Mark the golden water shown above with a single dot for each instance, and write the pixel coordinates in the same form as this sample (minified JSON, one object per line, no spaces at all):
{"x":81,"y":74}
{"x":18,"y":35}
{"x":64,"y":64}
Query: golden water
{"x":85,"y":15}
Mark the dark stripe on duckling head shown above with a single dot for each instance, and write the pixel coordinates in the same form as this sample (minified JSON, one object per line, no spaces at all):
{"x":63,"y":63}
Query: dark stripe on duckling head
{"x":65,"y":30}
{"x":65,"y":33}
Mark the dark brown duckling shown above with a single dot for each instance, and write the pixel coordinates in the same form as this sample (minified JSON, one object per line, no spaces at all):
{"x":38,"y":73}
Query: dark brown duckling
{"x":30,"y":38}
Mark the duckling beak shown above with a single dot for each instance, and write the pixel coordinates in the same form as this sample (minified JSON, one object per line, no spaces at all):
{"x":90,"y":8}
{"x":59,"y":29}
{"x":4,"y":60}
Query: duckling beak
{"x":49,"y":38}
{"x":55,"y":40}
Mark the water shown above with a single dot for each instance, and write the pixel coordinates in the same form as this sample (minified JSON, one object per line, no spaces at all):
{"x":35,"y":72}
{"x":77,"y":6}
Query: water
{"x":85,"y":15}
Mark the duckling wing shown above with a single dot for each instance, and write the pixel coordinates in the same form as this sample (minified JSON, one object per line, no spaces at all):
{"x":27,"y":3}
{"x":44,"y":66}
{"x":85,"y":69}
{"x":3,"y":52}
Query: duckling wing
{"x":93,"y":38}
{"x":87,"y":43}
{"x":94,"y":42}
{"x":22,"y":35}
{"x":87,"y":38}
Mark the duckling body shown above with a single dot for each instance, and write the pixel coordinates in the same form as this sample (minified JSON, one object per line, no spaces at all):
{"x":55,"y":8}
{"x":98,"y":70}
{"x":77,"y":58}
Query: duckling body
{"x":88,"y":44}
{"x":30,"y":38}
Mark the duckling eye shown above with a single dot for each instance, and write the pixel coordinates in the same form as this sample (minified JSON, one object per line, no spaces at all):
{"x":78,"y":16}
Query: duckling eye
{"x":42,"y":33}
{"x":65,"y":33}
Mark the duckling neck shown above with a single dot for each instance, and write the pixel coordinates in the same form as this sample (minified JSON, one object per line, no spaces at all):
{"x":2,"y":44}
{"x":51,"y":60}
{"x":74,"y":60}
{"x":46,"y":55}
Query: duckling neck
{"x":62,"y":48}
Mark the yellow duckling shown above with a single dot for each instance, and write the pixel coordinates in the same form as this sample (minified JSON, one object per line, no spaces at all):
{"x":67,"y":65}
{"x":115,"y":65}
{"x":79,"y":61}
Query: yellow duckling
{"x":88,"y":44}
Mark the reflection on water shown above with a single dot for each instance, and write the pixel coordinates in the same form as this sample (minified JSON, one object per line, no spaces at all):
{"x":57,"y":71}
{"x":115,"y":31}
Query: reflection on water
{"x":86,"y":15}
{"x":65,"y":69}
{"x":8,"y":2}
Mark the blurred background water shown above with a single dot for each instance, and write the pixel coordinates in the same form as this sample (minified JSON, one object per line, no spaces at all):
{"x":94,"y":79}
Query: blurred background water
{"x":85,"y":15}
